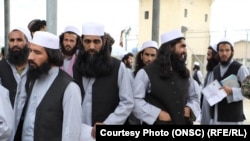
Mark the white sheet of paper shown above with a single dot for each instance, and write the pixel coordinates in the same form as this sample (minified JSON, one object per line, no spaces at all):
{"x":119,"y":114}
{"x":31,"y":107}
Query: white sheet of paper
{"x":213,"y":93}
{"x":86,"y":133}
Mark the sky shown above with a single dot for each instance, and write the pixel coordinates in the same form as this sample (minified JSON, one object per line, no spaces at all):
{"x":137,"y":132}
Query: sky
{"x":228,"y":17}
{"x":116,"y":15}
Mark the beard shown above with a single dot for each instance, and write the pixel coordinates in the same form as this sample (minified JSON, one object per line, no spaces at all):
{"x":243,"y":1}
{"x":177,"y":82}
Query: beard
{"x":94,"y":64}
{"x":17,"y":55}
{"x":69,"y":52}
{"x":211,"y":63}
{"x":179,"y":64}
{"x":225,"y":63}
{"x":128,"y":65}
{"x":36,"y":71}
{"x":88,"y":65}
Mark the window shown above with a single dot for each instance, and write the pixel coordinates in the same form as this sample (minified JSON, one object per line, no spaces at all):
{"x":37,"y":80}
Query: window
{"x":185,"y":13}
{"x":146,"y":15}
{"x":206,"y":17}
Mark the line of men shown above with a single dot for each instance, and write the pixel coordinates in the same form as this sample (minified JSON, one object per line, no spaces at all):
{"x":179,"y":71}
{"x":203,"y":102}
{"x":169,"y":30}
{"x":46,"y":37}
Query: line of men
{"x":48,"y":101}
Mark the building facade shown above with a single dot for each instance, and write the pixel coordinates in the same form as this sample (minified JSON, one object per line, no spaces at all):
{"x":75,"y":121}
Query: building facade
{"x":242,"y":52}
{"x":192,"y":17}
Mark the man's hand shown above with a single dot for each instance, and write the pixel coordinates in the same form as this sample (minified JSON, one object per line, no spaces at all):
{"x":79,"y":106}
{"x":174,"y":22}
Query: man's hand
{"x":187,"y":112}
{"x":164,"y":116}
{"x":93,"y":133}
{"x":227,"y":89}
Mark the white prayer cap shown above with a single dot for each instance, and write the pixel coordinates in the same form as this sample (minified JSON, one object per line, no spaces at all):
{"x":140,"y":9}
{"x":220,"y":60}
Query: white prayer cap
{"x":214,"y":47}
{"x":148,"y":44}
{"x":46,"y":39}
{"x":123,"y":54}
{"x":224,"y":39}
{"x":171,"y":35}
{"x":72,"y":28}
{"x":93,"y":28}
{"x":25,"y":31}
{"x":196,"y":63}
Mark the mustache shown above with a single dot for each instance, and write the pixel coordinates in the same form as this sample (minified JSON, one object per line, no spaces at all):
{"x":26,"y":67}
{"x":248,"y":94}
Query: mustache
{"x":92,"y":51}
{"x":15,"y":48}
{"x":68,"y":46}
{"x":32,"y":62}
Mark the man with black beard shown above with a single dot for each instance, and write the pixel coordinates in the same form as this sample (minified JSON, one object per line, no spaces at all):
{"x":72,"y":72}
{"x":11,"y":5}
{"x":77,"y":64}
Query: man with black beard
{"x":53,"y":111}
{"x":230,"y":109}
{"x":69,"y":42}
{"x":128,"y":60}
{"x":144,"y":57}
{"x":13,"y":71}
{"x":212,"y":61}
{"x":104,"y":81}
{"x":164,"y":92}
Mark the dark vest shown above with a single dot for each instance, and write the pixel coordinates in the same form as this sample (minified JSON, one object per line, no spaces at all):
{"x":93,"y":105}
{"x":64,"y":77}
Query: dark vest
{"x":170,"y":94}
{"x":196,"y":78}
{"x":105,"y":93}
{"x":228,"y":112}
{"x":49,"y":114}
{"x":8,"y":80}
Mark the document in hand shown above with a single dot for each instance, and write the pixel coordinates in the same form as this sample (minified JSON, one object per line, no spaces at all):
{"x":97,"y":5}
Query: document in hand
{"x":213,"y":92}
{"x":230,"y":81}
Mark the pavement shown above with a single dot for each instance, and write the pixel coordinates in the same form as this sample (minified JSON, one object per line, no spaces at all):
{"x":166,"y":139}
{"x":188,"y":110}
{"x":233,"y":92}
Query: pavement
{"x":246,"y":106}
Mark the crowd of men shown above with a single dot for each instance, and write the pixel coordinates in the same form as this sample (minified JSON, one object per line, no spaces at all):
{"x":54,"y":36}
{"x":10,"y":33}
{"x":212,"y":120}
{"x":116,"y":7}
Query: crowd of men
{"x":51,"y":87}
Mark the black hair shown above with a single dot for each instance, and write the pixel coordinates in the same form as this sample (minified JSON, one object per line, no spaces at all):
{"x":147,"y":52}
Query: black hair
{"x":138,"y":62}
{"x":78,"y":41}
{"x":126,"y":56}
{"x":36,"y":25}
{"x":55,"y":56}
{"x":164,"y":59}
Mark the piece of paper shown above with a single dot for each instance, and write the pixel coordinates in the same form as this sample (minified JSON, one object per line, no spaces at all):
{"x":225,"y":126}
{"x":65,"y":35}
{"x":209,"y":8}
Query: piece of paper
{"x":213,"y":93}
{"x":86,"y":133}
{"x":230,"y":81}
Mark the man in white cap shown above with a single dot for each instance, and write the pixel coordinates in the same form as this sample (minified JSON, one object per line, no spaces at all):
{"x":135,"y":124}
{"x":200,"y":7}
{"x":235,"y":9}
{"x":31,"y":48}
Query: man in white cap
{"x":13,"y":72}
{"x":197,"y":75}
{"x":104,"y":81}
{"x":146,"y":55}
{"x":212,"y":61}
{"x":53,"y":111}
{"x":6,"y":115}
{"x":70,"y":42}
{"x":230,"y":109}
{"x":164,"y":92}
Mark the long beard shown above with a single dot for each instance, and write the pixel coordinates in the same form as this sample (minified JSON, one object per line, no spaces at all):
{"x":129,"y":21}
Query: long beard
{"x":179,"y":65}
{"x":18,"y":57}
{"x":36,"y":71}
{"x":94,"y":65}
{"x":225,"y":63}
{"x":211,"y":63}
{"x":69,"y":52}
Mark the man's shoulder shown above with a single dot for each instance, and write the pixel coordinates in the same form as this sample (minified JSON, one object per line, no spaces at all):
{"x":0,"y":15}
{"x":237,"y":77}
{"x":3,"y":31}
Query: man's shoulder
{"x":3,"y":61}
{"x":4,"y":65}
